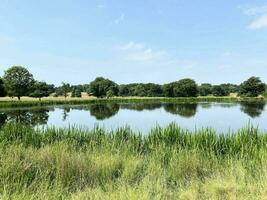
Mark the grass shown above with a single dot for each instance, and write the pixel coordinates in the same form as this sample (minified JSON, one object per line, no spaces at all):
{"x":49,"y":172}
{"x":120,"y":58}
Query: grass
{"x":30,"y":102}
{"x":167,"y":163}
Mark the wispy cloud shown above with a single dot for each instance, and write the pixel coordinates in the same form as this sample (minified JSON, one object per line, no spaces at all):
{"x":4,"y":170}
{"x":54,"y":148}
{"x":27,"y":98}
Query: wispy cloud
{"x":141,"y":53}
{"x":259,"y":23}
{"x":252,"y":11}
{"x":132,"y":46}
{"x":259,"y":15}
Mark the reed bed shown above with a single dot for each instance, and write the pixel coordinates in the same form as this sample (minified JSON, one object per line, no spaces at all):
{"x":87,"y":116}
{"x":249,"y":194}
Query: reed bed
{"x":167,"y":163}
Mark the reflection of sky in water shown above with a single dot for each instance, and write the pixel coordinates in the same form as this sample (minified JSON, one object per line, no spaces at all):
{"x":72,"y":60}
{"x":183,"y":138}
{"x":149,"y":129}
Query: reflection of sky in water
{"x":142,"y":117}
{"x":221,"y":117}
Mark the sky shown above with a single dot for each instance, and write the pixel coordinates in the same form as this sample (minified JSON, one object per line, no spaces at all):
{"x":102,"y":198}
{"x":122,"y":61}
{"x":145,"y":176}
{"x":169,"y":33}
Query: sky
{"x":130,"y":41}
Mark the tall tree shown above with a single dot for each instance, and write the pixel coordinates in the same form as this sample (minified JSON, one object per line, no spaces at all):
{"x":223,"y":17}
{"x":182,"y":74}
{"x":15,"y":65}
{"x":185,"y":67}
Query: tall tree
{"x":102,"y":87}
{"x":205,"y":89}
{"x":219,"y":90}
{"x":65,"y":89}
{"x":39,"y":90}
{"x":18,"y":81}
{"x":76,"y":92}
{"x":185,"y":88}
{"x":252,"y":87}
{"x":2,"y":88}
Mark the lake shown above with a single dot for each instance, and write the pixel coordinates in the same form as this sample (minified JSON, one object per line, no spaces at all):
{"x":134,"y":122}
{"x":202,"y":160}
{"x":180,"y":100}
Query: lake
{"x":221,"y":117}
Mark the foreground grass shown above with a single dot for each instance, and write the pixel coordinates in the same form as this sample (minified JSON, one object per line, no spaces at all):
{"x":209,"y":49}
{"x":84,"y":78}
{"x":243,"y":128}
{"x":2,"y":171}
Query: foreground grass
{"x":168,"y":163}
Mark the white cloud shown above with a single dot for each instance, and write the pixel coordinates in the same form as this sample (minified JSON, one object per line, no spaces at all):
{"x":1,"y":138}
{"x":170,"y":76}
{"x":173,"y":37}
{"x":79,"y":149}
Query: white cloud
{"x":259,"y":15}
{"x":255,"y":10}
{"x":258,"y":23}
{"x":146,"y":55}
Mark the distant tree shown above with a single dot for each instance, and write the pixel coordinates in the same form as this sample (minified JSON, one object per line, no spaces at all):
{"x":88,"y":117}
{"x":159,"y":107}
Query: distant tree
{"x":139,"y":90}
{"x":124,"y":90}
{"x":185,"y":88}
{"x":51,"y":88}
{"x":39,"y":90}
{"x":205,"y":89}
{"x":18,"y":81}
{"x":219,"y":90}
{"x":65,"y":89}
{"x":230,"y":88}
{"x":153,"y":90}
{"x":76,"y":92}
{"x":167,"y":90}
{"x":2,"y":89}
{"x":100,"y":87}
{"x":252,"y":87}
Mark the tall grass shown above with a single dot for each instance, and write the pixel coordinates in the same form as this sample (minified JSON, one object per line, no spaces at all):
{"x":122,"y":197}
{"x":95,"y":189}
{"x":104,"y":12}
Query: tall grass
{"x":167,"y":163}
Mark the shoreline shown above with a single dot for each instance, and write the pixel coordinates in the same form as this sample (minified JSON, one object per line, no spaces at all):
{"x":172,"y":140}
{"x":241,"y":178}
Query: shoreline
{"x":30,"y":102}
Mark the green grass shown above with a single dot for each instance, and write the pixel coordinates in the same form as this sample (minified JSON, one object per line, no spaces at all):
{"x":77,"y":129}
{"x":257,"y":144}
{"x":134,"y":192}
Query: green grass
{"x":54,"y":101}
{"x":167,"y":163}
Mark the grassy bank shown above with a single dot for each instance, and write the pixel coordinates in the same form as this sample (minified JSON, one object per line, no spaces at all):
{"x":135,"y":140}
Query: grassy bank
{"x":168,"y":163}
{"x":74,"y":101}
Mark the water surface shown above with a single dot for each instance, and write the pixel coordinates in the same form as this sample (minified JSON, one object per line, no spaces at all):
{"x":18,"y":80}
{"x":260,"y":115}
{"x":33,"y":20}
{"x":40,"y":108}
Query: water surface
{"x":221,"y":117}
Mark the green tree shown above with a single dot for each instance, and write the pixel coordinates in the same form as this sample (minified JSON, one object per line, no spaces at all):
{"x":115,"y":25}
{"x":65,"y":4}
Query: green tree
{"x":2,"y":88}
{"x":65,"y":88}
{"x":76,"y":92}
{"x":18,"y":81}
{"x":168,"y":90}
{"x":39,"y":90}
{"x":185,"y":88}
{"x":139,"y":91}
{"x":124,"y":90}
{"x":252,"y":87}
{"x":100,"y":87}
{"x":219,"y":90}
{"x":230,"y":88}
{"x":205,"y":89}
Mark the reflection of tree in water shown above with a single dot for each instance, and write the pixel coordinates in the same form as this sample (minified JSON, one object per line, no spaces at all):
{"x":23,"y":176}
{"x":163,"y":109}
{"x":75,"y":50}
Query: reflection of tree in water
{"x":104,"y":111}
{"x":66,"y":111}
{"x":141,"y":106}
{"x":252,"y":109}
{"x":221,"y":105}
{"x":227,"y":105}
{"x":3,"y":118}
{"x":206,"y":105}
{"x":184,"y":110}
{"x":30,"y":117}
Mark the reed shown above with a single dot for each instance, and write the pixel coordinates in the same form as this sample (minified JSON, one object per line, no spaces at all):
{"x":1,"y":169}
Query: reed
{"x":167,"y":163}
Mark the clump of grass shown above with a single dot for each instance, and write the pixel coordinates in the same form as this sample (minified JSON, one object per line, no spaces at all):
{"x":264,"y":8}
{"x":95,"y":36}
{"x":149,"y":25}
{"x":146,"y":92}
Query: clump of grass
{"x":167,"y":163}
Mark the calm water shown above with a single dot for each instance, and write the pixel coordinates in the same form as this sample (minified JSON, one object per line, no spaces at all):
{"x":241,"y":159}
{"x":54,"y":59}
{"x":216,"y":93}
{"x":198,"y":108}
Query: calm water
{"x":143,"y":116}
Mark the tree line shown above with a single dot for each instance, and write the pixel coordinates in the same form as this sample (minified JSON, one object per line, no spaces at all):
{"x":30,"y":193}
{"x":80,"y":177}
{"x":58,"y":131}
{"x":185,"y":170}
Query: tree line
{"x":18,"y":81}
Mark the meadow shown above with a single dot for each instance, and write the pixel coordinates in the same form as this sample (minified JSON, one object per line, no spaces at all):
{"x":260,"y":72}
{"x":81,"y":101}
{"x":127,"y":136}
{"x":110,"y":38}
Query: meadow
{"x":167,"y":163}
{"x":31,"y":102}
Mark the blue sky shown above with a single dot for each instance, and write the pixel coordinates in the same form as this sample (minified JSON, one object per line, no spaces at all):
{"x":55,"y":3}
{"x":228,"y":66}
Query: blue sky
{"x":135,"y":41}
